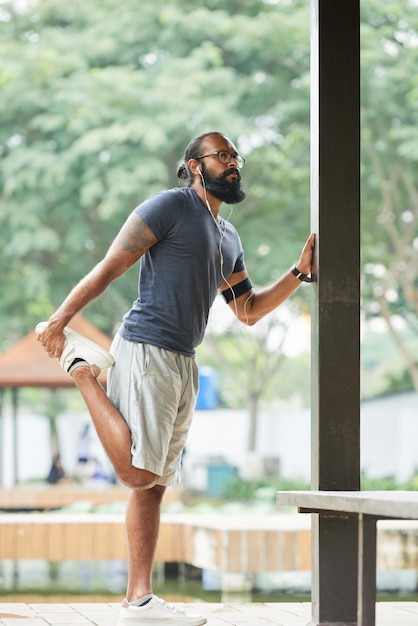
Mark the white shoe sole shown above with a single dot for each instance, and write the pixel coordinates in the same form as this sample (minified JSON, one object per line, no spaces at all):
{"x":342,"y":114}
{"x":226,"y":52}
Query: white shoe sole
{"x":157,"y":613}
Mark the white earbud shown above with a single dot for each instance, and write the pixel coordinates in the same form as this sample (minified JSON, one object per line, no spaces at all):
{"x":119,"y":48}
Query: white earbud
{"x":198,"y":169}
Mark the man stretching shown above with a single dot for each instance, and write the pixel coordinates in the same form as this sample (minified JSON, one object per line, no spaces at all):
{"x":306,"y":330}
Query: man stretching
{"x":188,"y":253}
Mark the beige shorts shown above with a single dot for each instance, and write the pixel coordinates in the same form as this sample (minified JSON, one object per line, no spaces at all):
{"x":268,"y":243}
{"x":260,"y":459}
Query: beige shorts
{"x":155,"y":390}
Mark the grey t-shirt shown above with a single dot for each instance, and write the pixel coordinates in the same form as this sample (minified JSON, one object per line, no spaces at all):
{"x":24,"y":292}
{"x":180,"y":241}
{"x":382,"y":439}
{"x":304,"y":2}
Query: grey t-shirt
{"x":180,"y":275}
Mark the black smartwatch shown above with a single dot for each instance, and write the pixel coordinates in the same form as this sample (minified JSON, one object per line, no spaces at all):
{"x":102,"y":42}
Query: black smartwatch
{"x":303,"y":277}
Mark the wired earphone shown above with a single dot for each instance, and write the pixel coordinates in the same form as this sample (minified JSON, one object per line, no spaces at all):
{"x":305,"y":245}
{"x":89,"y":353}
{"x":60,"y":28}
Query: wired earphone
{"x":222,"y":233}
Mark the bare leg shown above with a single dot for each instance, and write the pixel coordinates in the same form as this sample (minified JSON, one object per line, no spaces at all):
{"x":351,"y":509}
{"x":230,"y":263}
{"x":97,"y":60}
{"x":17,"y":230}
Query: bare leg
{"x":142,"y":526}
{"x":112,"y":430}
{"x":143,"y":508}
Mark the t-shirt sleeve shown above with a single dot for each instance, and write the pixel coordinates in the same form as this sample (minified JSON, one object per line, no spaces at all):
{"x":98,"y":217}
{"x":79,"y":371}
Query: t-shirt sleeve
{"x":239,"y":264}
{"x":159,"y":212}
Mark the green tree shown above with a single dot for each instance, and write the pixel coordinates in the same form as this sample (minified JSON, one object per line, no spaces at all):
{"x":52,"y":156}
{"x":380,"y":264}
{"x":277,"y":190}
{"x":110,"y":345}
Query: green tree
{"x":390,"y":173}
{"x":97,"y":103}
{"x":250,"y":367}
{"x":252,"y":361}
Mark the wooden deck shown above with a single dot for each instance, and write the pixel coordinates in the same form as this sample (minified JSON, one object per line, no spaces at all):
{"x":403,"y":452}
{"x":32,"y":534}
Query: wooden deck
{"x":48,"y":497}
{"x":257,"y":614}
{"x":228,"y":543}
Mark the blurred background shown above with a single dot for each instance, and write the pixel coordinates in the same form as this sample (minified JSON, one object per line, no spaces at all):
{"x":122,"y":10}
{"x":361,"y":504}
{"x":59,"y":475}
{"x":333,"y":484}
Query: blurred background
{"x":97,"y":103}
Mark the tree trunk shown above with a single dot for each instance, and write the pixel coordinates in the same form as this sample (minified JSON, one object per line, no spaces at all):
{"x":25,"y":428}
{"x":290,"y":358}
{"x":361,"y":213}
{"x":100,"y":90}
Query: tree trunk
{"x":411,"y":363}
{"x":54,"y":407}
{"x":252,"y":431}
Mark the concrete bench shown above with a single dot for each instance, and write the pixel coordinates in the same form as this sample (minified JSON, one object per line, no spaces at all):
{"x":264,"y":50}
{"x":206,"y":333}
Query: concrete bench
{"x":366,"y":507}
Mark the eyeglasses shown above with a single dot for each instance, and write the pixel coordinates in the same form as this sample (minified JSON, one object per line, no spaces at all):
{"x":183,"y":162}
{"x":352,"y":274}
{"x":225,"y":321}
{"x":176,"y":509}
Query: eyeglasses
{"x":225,"y":157}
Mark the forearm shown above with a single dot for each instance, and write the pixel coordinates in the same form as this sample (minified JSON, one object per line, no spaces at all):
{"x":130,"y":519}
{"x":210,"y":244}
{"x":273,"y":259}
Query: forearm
{"x":268,"y":299}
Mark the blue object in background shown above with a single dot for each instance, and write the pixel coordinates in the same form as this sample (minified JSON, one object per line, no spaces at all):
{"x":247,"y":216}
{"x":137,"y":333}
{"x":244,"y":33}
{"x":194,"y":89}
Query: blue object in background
{"x":207,"y":399}
{"x":218,"y":476}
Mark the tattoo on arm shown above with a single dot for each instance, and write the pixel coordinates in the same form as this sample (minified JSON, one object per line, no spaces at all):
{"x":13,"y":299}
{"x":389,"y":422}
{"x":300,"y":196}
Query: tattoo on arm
{"x":135,"y":236}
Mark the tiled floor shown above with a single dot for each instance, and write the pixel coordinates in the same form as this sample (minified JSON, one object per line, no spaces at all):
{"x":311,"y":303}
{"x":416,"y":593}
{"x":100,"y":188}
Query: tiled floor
{"x":256,"y":614}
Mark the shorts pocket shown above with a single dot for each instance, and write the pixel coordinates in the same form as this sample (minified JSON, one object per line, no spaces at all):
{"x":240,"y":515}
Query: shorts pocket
{"x":144,"y":357}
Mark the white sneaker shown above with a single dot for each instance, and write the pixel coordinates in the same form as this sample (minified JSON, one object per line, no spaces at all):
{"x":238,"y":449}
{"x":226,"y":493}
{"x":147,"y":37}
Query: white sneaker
{"x":157,"y":613}
{"x":78,"y":347}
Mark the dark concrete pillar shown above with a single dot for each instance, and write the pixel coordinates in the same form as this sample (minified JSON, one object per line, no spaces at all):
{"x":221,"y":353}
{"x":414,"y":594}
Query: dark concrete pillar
{"x":367,"y":554}
{"x":335,"y":211}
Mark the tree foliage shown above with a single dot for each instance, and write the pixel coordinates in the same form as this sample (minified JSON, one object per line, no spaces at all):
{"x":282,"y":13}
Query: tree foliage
{"x":250,"y":360}
{"x":390,"y":173}
{"x":98,"y":101}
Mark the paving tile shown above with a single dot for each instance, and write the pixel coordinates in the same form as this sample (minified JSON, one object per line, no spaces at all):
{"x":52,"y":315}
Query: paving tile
{"x":16,"y":608}
{"x":59,"y":614}
{"x":217,"y":614}
{"x":51,"y":608}
{"x":396,"y":614}
{"x":26,"y":621}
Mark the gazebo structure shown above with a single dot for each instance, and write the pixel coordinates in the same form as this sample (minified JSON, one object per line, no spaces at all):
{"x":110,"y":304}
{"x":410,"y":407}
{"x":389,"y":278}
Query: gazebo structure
{"x":27,"y":364}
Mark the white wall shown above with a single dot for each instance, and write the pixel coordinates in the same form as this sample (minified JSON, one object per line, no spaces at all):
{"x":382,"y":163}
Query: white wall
{"x":34,"y":450}
{"x":224,"y":434}
{"x":389,"y":435}
{"x":389,"y":440}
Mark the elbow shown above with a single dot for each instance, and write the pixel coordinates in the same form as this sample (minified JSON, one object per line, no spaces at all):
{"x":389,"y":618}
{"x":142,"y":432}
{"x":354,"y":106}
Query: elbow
{"x":249,"y":314}
{"x":251,"y":318}
{"x":250,"y":321}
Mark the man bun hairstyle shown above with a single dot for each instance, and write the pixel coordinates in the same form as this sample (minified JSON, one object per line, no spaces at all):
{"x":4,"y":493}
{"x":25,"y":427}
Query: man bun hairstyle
{"x":193,"y":151}
{"x":183,"y":172}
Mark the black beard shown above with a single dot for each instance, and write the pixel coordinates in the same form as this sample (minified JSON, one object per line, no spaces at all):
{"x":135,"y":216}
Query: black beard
{"x":218,"y":186}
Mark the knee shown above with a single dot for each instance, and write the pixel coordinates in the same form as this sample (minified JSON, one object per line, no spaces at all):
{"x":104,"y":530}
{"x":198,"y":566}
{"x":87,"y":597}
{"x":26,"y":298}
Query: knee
{"x":136,"y":478}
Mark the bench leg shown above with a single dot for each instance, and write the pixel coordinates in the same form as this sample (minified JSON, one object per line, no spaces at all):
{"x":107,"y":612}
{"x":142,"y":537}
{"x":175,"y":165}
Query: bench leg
{"x":367,"y":535}
{"x":334,"y":570}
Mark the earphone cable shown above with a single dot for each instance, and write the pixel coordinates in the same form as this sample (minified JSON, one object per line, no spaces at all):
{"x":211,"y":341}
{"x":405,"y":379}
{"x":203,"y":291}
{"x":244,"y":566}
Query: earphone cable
{"x":222,"y":234}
